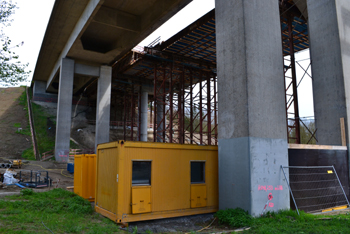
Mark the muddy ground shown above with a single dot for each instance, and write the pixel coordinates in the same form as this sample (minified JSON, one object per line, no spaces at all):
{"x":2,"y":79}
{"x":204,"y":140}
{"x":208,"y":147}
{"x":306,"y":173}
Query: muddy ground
{"x":57,"y":172}
{"x":12,"y":117}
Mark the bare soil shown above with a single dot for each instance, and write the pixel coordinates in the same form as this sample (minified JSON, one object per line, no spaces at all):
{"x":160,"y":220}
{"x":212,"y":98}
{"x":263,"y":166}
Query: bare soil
{"x":56,"y":171}
{"x":12,"y":144}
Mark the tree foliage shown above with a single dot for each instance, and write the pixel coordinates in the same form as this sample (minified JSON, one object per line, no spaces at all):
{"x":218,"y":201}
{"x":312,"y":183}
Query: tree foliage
{"x":12,"y":71}
{"x":307,"y":128}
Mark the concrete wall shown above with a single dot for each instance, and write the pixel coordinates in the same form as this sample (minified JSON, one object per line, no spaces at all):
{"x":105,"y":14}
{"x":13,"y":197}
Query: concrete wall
{"x":329,"y":30}
{"x":64,"y":110}
{"x":252,"y":118}
{"x":103,"y":105}
{"x":144,"y":115}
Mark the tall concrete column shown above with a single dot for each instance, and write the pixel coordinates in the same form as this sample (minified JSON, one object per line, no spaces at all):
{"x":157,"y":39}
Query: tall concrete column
{"x":39,"y":87}
{"x":64,"y":110}
{"x":252,"y":116}
{"x":160,"y":116}
{"x":103,"y":105}
{"x":144,"y":115}
{"x":329,"y":34}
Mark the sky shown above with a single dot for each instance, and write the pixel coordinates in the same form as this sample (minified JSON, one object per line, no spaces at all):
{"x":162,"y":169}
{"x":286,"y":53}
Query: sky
{"x":29,"y":25}
{"x":31,"y":18}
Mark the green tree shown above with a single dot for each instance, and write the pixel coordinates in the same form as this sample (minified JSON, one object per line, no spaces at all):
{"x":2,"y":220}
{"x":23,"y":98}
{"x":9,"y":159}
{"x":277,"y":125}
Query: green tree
{"x":306,"y":132}
{"x":12,"y":71}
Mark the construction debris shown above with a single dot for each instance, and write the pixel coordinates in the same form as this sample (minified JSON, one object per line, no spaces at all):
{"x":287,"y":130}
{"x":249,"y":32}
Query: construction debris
{"x":16,"y":163}
{"x":9,"y":177}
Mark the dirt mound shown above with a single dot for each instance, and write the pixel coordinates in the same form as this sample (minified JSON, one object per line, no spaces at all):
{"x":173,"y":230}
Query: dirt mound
{"x":13,"y":116}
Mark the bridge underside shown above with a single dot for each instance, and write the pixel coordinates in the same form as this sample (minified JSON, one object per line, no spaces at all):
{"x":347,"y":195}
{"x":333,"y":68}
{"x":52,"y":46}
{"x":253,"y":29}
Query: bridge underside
{"x":180,"y":76}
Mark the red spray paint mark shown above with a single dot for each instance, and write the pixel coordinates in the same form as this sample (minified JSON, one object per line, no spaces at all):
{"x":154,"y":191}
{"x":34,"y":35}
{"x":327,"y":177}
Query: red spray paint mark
{"x":269,"y":187}
{"x":279,"y":187}
{"x":269,"y":198}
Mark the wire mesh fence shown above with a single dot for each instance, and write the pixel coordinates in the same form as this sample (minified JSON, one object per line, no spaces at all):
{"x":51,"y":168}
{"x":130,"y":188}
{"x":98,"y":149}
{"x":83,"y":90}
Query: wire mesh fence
{"x":314,"y":189}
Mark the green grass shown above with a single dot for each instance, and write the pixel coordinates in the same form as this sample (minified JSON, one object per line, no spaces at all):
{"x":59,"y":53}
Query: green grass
{"x":28,"y":154}
{"x":286,"y":221}
{"x":234,"y":217}
{"x":59,"y":210}
{"x":23,"y":98}
{"x":23,"y":102}
{"x":44,"y":141}
{"x":17,"y":125}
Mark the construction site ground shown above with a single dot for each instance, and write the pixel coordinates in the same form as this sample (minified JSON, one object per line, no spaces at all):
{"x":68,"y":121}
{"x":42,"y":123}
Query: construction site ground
{"x":57,"y":172}
{"x":12,"y":117}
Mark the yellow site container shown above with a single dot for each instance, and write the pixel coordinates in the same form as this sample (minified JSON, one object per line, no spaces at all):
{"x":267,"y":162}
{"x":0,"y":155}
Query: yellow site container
{"x":85,"y":175}
{"x":141,"y":180}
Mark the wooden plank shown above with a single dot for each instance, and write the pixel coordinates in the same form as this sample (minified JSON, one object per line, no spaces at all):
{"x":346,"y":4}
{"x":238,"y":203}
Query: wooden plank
{"x":322,"y":147}
{"x":342,"y":130}
{"x":48,"y":157}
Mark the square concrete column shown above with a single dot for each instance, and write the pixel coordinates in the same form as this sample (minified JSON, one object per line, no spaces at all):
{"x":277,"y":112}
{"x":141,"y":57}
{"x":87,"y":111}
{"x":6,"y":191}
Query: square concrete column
{"x":64,"y":110}
{"x":160,"y":116}
{"x":252,"y":116}
{"x":103,"y":105}
{"x":144,"y":115}
{"x":329,"y":34}
{"x":39,"y":87}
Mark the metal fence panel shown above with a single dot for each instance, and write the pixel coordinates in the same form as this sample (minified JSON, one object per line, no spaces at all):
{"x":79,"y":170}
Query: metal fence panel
{"x":314,"y":189}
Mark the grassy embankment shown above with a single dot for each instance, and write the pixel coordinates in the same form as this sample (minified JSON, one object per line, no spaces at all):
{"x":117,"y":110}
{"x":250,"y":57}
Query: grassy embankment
{"x":61,"y":211}
{"x":58,"y":211}
{"x":285,"y":222}
{"x":45,"y":141}
{"x":28,"y":153}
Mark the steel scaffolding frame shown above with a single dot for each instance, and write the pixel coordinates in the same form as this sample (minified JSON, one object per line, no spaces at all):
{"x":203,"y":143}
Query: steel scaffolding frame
{"x":186,"y":98}
{"x":182,"y":72}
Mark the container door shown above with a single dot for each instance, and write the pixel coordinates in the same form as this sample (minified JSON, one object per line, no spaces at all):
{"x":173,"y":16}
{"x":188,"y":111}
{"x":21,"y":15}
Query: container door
{"x":78,"y":174}
{"x":141,"y":199}
{"x":89,"y":172}
{"x":198,"y":195}
{"x":141,"y":186}
{"x":198,"y":186}
{"x":106,"y":194}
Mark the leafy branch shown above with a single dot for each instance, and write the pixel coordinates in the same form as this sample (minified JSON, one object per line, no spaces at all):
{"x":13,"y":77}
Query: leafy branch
{"x":12,"y":71}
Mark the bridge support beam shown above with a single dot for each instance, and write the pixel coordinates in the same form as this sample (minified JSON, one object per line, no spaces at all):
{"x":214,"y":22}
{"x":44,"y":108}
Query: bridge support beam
{"x":329,"y":30}
{"x":64,"y":110}
{"x":252,"y":117}
{"x":103,"y":105}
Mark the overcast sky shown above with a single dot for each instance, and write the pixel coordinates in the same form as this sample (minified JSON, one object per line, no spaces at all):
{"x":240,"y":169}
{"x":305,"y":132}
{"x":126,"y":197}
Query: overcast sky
{"x":29,"y":25}
{"x":32,"y":16}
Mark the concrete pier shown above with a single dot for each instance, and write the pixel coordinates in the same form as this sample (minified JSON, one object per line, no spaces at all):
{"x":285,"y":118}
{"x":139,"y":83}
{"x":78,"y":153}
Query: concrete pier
{"x":252,"y":116}
{"x":39,"y":87}
{"x":329,"y":35}
{"x":160,"y":116}
{"x":64,"y":110}
{"x":103,"y":105}
{"x":144,"y":115}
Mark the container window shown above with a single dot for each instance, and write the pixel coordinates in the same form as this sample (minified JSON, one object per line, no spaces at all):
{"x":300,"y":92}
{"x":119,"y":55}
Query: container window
{"x":197,"y":172}
{"x":141,"y":173}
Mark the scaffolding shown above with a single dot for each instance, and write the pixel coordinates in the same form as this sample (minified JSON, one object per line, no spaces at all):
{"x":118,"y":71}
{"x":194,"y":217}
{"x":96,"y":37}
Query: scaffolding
{"x":182,"y":73}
